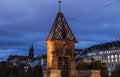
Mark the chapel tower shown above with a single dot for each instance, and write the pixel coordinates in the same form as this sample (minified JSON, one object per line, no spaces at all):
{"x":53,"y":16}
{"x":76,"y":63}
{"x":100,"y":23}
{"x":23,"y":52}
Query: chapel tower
{"x":60,"y":46}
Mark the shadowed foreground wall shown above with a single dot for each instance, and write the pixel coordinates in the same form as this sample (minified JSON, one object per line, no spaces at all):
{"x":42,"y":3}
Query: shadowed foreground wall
{"x":79,"y":73}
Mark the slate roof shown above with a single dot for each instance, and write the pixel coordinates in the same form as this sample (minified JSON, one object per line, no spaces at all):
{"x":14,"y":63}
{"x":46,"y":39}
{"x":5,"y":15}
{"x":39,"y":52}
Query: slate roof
{"x":60,"y":29}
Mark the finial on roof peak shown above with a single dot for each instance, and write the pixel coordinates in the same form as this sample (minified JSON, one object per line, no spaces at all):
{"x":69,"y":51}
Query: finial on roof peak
{"x":59,"y":5}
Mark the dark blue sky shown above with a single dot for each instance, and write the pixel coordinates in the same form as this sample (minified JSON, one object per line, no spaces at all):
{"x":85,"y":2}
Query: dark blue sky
{"x":23,"y":22}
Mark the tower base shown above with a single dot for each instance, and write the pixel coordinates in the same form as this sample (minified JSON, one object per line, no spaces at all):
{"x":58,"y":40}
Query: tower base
{"x":55,"y":73}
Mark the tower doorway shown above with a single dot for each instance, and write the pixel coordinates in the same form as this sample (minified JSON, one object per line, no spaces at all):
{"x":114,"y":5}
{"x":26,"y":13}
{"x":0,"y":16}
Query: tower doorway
{"x":63,"y":66}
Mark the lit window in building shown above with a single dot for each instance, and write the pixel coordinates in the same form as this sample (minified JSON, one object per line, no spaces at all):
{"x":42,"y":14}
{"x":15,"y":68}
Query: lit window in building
{"x":108,"y":57}
{"x":108,"y":60}
{"x":112,"y":51}
{"x":116,"y":60}
{"x":100,"y":52}
{"x":112,"y":56}
{"x":115,"y":56}
{"x":109,"y":51}
{"x":109,"y":73}
{"x":119,"y":56}
{"x":91,"y":54}
{"x":112,"y":60}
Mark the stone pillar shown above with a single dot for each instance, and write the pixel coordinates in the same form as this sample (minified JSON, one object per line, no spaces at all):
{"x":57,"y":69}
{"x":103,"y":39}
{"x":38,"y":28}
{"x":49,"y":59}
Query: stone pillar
{"x":55,"y":73}
{"x":95,"y":73}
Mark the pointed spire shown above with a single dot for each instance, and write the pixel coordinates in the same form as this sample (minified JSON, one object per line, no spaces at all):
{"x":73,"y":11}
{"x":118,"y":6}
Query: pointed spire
{"x":31,"y":52}
{"x":59,"y":6}
{"x":31,"y":46}
{"x":61,"y":29}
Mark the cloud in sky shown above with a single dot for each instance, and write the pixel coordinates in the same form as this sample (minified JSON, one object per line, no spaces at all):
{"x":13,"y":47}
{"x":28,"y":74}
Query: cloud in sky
{"x":23,"y":22}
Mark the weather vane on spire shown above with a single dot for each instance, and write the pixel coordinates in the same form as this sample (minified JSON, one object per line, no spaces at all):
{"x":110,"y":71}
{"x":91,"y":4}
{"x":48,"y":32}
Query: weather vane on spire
{"x":59,"y":5}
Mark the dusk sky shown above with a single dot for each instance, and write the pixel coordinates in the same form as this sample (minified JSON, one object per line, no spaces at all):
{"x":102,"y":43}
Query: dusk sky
{"x":23,"y":22}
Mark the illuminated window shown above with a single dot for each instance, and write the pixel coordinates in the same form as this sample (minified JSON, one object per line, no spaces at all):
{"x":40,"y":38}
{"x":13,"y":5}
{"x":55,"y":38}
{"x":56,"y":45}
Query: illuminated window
{"x":119,"y":56}
{"x":108,"y":60}
{"x":91,"y":54}
{"x":115,"y":56}
{"x":112,"y":60}
{"x":100,"y":52}
{"x":108,"y":57}
{"x":112,"y":56}
{"x":109,"y":73}
{"x":116,"y":60}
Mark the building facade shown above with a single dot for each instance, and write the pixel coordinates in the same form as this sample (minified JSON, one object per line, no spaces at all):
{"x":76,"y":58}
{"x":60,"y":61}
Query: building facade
{"x":108,"y":53}
{"x":17,"y":60}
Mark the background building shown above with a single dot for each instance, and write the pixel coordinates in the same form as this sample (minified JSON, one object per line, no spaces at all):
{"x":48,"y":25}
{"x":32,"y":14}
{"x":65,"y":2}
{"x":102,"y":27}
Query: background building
{"x":107,"y":53}
{"x":17,"y":60}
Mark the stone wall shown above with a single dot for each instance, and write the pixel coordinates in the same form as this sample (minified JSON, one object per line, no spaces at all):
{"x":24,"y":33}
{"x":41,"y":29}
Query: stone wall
{"x":79,"y":73}
{"x":55,"y":73}
{"x":95,"y":73}
{"x":52,"y":73}
{"x":83,"y":73}
{"x":88,"y":73}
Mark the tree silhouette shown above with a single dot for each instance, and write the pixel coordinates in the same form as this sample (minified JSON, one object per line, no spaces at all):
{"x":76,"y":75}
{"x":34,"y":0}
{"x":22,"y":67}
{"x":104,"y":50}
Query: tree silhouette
{"x":37,"y":71}
{"x":94,"y":65}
